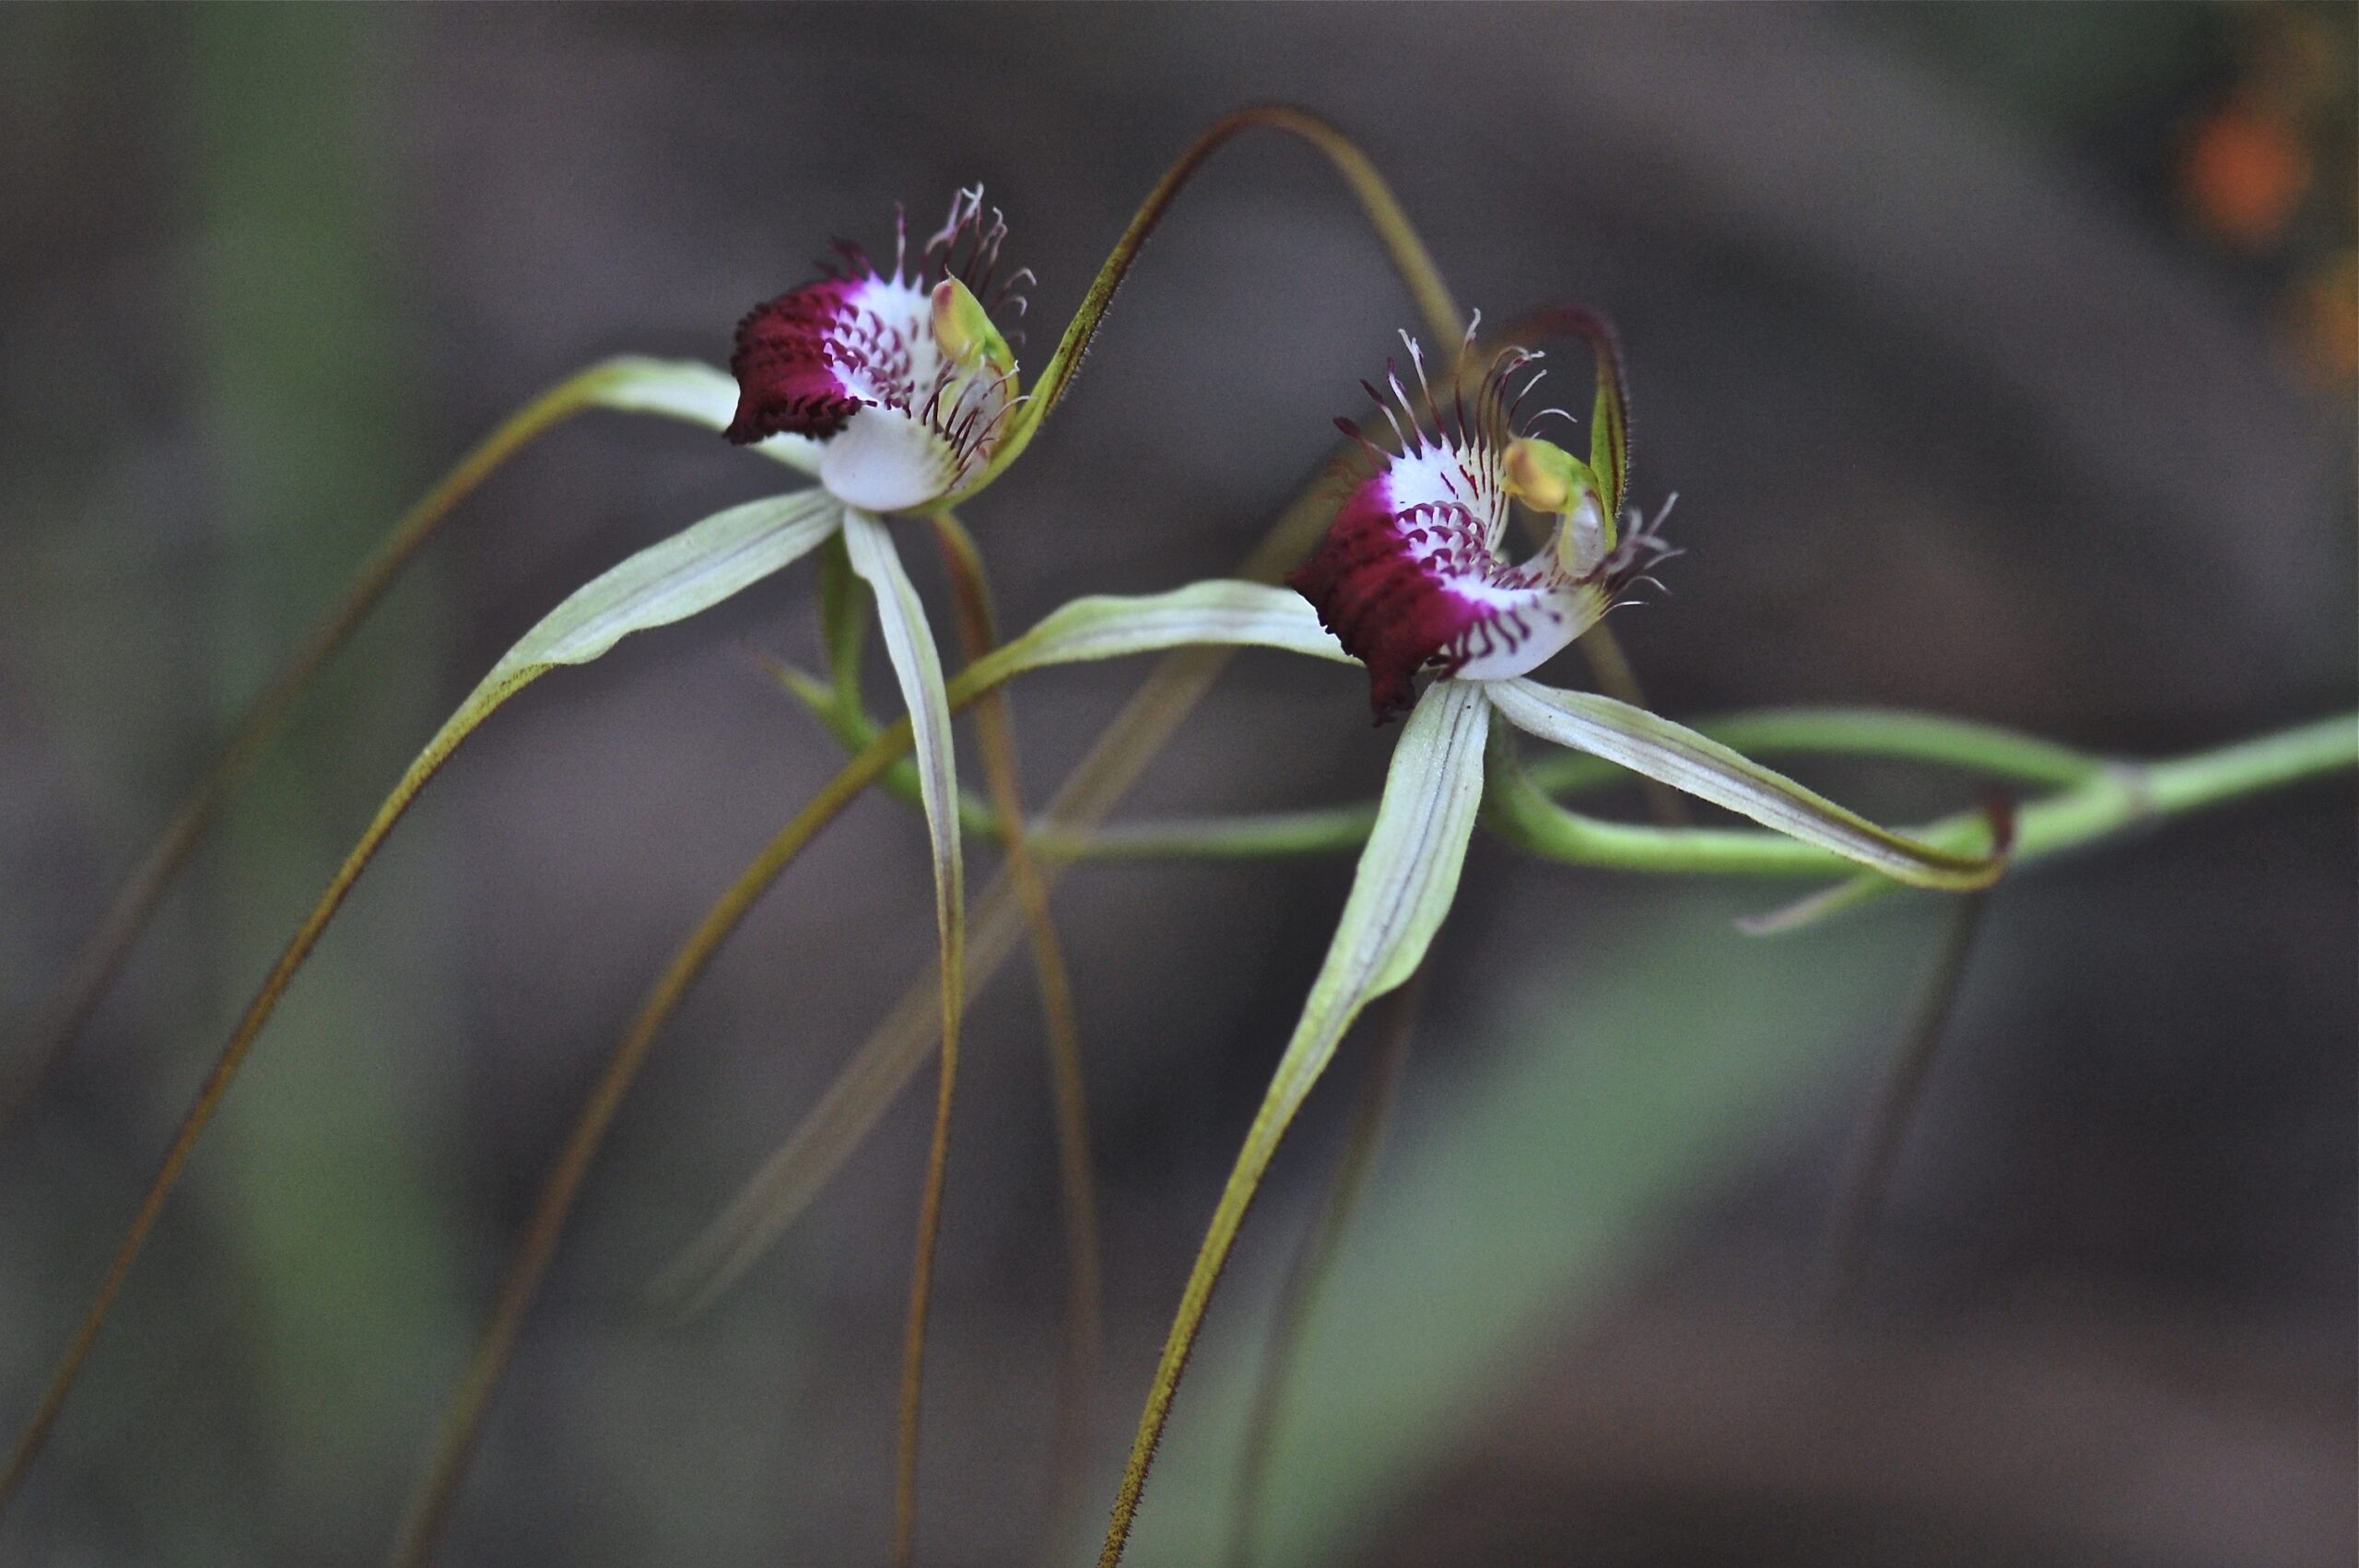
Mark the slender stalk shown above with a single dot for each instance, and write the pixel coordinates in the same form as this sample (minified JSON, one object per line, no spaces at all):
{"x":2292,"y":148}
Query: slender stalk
{"x":884,"y":1061}
{"x":1926,"y":738}
{"x":1869,"y":1177}
{"x":208,"y":1099}
{"x":2246,"y":768}
{"x":1401,"y":891}
{"x":760,"y":537}
{"x":1382,"y":209}
{"x":712,"y":929}
{"x":431,"y":1504}
{"x":978,"y":633}
{"x":2118,"y":796}
{"x":2106,"y":798}
{"x":101,"y":954}
{"x":1306,"y":1279}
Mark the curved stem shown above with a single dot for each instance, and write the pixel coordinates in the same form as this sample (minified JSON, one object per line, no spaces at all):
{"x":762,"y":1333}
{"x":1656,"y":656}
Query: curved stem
{"x":1383,"y":211}
{"x":1306,"y":1276}
{"x":1038,"y":649}
{"x":430,"y":1505}
{"x":978,"y":633}
{"x":1401,"y":891}
{"x":35,"y":1430}
{"x":1892,"y":734}
{"x":2117,"y":796}
{"x":1868,"y":1176}
{"x":1926,"y":738}
{"x":883,"y":1064}
{"x":676,"y":578}
{"x":102,"y":952}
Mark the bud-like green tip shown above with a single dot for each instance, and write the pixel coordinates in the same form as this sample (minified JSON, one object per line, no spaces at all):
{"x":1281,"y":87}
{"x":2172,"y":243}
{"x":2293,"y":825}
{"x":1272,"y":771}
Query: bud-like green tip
{"x":966,"y":331}
{"x":1545,"y":477}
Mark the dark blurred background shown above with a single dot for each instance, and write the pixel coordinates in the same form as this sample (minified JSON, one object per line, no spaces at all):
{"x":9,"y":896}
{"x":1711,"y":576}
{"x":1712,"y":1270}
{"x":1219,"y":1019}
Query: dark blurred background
{"x":2002,"y":360}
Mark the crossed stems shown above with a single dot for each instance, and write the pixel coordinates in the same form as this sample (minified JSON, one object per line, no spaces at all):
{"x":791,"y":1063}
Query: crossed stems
{"x":2074,"y":816}
{"x":646,"y":387}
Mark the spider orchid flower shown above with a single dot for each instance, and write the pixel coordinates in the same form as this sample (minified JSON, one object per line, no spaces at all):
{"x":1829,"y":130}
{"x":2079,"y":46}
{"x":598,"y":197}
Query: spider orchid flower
{"x":1408,"y":579}
{"x":1410,"y":576}
{"x":903,"y":378}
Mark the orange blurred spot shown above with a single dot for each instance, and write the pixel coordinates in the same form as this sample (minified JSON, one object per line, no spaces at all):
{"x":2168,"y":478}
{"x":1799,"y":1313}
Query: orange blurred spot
{"x":2242,"y":173}
{"x":2324,"y":320}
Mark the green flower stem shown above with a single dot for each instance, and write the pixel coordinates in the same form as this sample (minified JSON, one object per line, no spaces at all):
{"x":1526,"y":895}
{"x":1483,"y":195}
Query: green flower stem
{"x":1061,"y":1034}
{"x":2121,"y":796}
{"x":2247,"y":768}
{"x":2103,"y":797}
{"x":1884,"y":734}
{"x":2115,"y":796}
{"x":838,"y":709}
{"x":1378,"y":203}
{"x":1086,"y":629}
{"x":1525,"y":817}
{"x":630,"y":385}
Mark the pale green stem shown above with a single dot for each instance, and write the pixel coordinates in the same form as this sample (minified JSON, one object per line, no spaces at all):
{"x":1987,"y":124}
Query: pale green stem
{"x":1884,"y":734}
{"x":2115,"y":796}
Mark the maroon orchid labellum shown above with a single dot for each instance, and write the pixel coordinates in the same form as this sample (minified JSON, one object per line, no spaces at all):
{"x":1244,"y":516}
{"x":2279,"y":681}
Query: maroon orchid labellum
{"x":903,"y":377}
{"x":1410,"y":575}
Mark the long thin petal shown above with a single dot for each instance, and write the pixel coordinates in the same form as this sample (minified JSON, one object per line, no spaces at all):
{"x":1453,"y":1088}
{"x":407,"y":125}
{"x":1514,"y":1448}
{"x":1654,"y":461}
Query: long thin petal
{"x":698,"y":394}
{"x":691,"y":571}
{"x":630,"y":384}
{"x":1218,"y":612}
{"x":1061,"y":1031}
{"x":1406,"y":879}
{"x":917,"y":664}
{"x":1679,"y":756}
